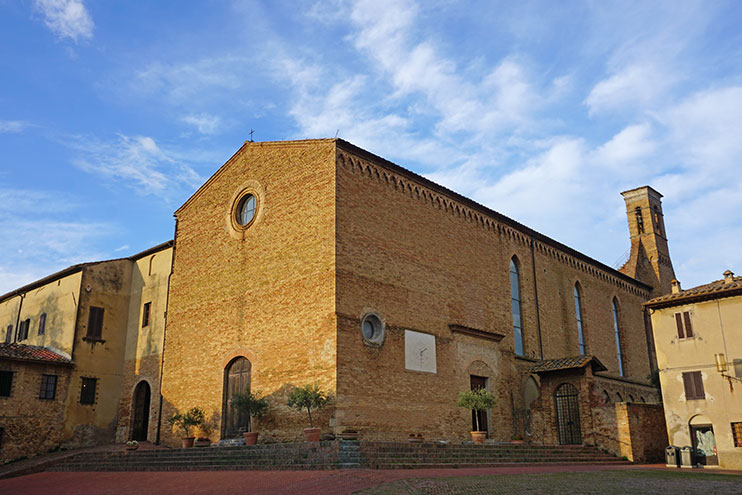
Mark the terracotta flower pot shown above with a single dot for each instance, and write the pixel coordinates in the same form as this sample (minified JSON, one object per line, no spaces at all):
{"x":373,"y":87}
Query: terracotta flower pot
{"x":478,"y":437}
{"x":251,"y":437}
{"x":312,"y":434}
{"x":187,"y":443}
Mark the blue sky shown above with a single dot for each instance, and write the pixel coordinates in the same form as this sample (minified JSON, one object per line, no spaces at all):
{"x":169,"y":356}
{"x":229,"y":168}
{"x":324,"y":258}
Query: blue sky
{"x":113,"y":113}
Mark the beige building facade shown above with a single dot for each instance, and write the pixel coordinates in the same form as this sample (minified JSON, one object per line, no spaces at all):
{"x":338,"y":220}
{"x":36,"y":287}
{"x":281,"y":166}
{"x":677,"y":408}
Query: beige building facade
{"x":698,"y":337}
{"x":84,"y":323}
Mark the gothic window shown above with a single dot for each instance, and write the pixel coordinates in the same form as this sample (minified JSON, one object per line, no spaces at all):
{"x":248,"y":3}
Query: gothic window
{"x":516,"y":306}
{"x":617,"y":331}
{"x":9,"y":334}
{"x":639,"y":220}
{"x":578,"y":316}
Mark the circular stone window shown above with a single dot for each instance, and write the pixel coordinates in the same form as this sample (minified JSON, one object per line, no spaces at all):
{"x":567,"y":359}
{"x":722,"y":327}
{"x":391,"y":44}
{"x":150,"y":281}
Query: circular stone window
{"x":245,"y":211}
{"x":372,"y":329}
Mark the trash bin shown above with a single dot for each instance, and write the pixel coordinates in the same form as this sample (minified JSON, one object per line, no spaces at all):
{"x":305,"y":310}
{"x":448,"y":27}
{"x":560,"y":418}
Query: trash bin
{"x":686,"y":457}
{"x":672,"y":456}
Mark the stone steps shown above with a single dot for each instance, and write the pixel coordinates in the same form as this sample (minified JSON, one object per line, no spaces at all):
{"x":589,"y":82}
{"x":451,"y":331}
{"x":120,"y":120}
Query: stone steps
{"x":334,"y":455}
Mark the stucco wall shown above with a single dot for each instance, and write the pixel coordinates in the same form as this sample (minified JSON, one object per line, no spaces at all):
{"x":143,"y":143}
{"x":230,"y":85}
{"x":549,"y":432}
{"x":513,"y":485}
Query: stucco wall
{"x":717,"y":325}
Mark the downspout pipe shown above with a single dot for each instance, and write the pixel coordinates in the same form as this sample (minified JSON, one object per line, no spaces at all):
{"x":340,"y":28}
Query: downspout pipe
{"x":164,"y":333}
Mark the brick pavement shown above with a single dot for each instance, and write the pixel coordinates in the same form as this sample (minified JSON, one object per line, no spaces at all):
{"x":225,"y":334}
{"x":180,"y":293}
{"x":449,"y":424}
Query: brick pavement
{"x":332,"y":482}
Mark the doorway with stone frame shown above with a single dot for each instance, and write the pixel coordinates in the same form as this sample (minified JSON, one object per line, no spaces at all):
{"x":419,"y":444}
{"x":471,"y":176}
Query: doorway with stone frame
{"x":478,"y":382}
{"x":236,"y":381}
{"x":140,"y":409}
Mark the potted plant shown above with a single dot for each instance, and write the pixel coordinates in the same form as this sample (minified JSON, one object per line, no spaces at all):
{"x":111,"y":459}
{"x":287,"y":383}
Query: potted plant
{"x":193,"y":417}
{"x":252,"y":406}
{"x":478,"y":400}
{"x":309,"y":397}
{"x":132,"y":445}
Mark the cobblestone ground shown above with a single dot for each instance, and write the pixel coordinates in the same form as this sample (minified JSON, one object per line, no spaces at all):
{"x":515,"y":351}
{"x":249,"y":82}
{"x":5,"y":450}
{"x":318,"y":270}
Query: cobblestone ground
{"x":604,"y":483}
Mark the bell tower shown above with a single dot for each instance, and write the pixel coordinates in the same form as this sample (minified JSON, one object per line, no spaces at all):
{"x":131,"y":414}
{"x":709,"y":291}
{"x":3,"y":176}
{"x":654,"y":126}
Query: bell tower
{"x":649,"y":261}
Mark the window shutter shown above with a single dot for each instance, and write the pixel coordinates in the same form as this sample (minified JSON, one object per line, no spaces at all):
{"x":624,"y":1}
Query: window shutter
{"x":95,"y":322}
{"x":688,"y":384}
{"x":679,"y":324}
{"x":698,"y":378}
{"x":688,"y":326}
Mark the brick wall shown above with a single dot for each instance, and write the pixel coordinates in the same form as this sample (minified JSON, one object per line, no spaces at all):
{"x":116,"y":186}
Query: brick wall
{"x":423,"y":259}
{"x":266,"y":293}
{"x":32,"y":425}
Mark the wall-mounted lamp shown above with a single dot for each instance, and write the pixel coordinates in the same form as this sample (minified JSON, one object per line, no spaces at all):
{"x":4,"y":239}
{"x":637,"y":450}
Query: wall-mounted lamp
{"x":721,"y":367}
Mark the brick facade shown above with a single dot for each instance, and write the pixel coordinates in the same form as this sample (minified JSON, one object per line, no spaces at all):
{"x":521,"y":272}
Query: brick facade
{"x":340,"y":234}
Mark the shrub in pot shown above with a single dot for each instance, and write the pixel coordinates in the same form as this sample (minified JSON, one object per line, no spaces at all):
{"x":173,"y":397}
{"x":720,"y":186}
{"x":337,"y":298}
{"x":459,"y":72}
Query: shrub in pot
{"x":309,"y":397}
{"x":478,"y":400}
{"x":252,"y":406}
{"x":192,"y":418}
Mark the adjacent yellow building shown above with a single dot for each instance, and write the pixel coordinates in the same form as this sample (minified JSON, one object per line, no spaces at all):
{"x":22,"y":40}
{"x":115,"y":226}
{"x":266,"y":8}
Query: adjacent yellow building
{"x":698,"y":339}
{"x":72,"y":345}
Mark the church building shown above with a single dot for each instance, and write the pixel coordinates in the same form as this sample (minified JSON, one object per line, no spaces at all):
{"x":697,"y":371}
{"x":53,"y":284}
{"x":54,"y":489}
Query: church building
{"x":316,"y":261}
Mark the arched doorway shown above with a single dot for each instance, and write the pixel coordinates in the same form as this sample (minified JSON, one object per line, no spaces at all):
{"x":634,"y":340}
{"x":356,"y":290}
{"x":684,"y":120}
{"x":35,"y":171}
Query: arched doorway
{"x":703,"y":440}
{"x":567,"y":401}
{"x":140,"y":421}
{"x":236,"y":381}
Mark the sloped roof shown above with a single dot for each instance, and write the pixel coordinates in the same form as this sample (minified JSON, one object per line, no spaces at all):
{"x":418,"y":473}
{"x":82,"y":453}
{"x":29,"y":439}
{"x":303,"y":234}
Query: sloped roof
{"x":22,"y":352}
{"x":76,"y":268}
{"x":567,"y":363}
{"x":714,"y":290}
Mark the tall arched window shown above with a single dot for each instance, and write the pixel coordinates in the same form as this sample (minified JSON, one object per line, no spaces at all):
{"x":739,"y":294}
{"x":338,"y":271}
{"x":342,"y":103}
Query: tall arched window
{"x":578,"y":316}
{"x":516,"y":306}
{"x":617,"y":330}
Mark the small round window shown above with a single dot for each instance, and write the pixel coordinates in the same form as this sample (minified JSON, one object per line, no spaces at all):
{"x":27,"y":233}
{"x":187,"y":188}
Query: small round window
{"x":245,"y":212}
{"x":372,"y":329}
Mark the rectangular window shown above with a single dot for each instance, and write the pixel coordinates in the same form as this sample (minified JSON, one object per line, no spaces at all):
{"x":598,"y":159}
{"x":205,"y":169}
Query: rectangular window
{"x":683,"y":324}
{"x":22,"y":333}
{"x":737,"y":434}
{"x":9,"y":334}
{"x":6,"y":383}
{"x":145,"y":314}
{"x":48,"y":387}
{"x":95,"y":323}
{"x":42,"y":323}
{"x":693,"y":382}
{"x":87,"y":392}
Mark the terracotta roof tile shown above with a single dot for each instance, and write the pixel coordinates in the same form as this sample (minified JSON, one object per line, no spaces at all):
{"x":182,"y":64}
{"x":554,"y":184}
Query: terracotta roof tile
{"x":566,"y":363}
{"x":31,"y":353}
{"x":713,"y":290}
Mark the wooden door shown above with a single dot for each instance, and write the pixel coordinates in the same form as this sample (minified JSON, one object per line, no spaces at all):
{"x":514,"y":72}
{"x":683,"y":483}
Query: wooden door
{"x":140,"y":422}
{"x":237,"y":381}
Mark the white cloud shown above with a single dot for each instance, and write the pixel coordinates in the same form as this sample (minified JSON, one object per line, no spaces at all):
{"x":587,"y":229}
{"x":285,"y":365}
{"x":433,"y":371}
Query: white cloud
{"x":204,"y":123}
{"x":66,"y":18}
{"x":136,"y":161}
{"x":637,"y":84}
{"x":13,"y":126}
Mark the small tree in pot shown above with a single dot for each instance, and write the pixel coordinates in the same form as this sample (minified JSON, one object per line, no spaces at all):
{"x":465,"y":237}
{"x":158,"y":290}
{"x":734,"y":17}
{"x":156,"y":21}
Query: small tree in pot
{"x":309,"y":397}
{"x":193,"y":417}
{"x":252,"y":406}
{"x":478,"y":400}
